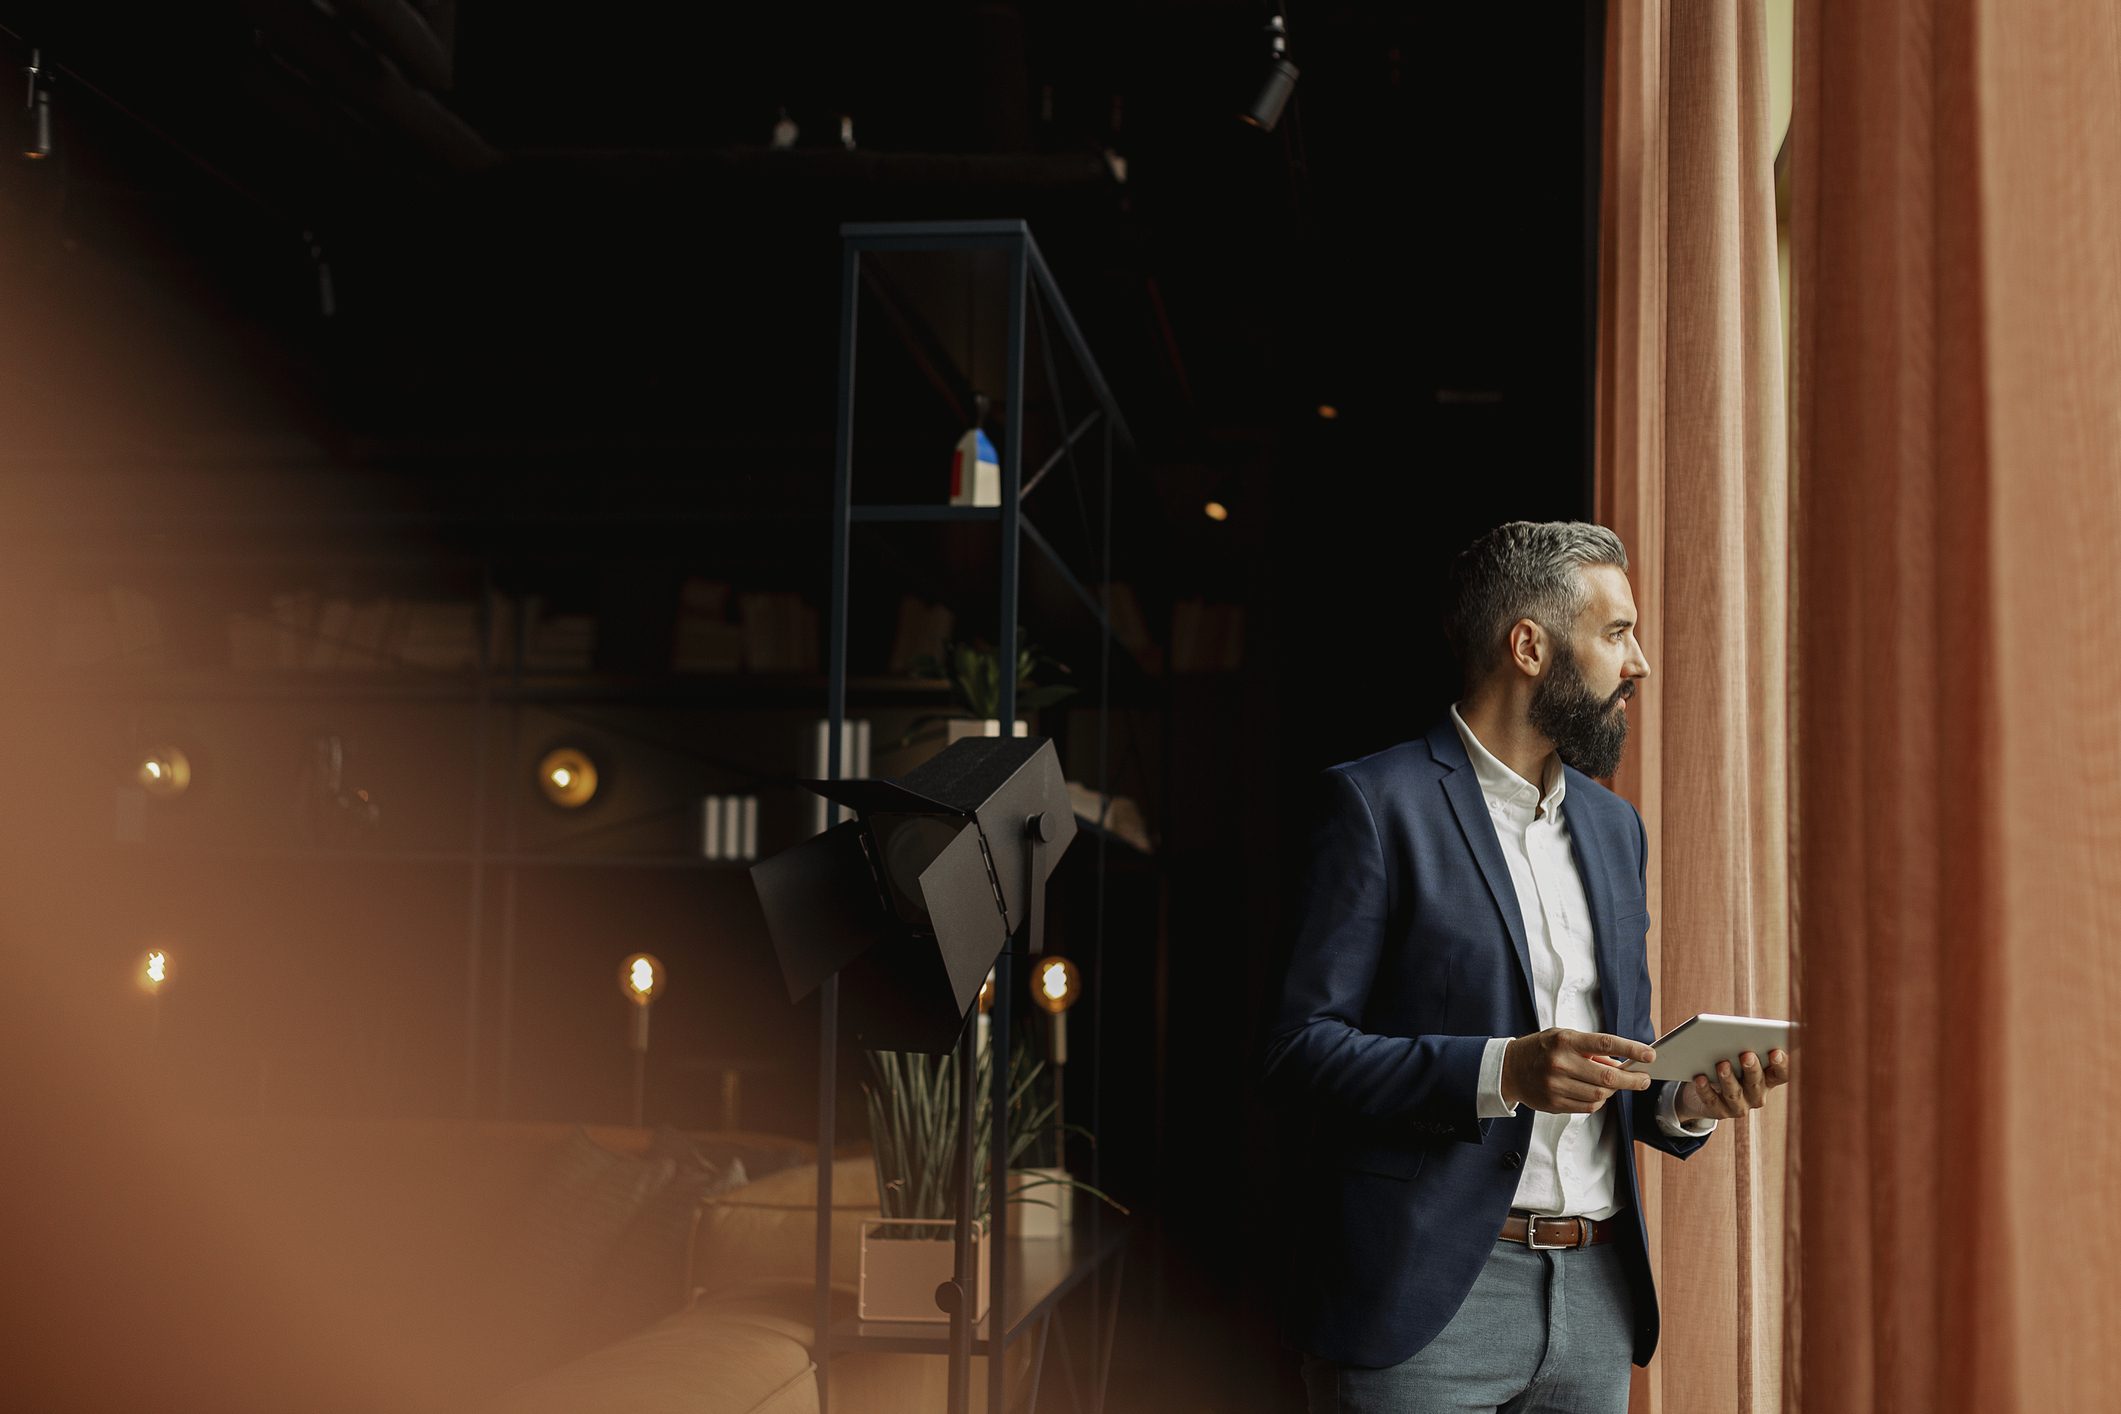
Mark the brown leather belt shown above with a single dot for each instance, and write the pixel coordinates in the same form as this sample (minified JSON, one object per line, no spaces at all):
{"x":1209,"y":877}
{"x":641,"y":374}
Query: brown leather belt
{"x":1558,"y":1232}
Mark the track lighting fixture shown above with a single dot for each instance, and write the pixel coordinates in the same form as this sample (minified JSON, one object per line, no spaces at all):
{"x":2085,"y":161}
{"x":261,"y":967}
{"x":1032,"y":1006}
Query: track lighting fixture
{"x":37,"y":142}
{"x":1273,"y":96}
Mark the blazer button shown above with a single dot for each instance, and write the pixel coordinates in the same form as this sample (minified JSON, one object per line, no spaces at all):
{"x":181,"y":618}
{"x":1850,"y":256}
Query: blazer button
{"x":1512,"y":1159}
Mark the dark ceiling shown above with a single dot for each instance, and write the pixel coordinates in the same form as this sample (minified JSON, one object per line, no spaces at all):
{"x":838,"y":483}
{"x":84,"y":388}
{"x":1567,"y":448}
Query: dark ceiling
{"x":364,"y":254}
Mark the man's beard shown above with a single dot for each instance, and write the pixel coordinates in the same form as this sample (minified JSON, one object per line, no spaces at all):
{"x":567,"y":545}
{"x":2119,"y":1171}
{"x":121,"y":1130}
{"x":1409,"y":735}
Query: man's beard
{"x":1588,"y":731}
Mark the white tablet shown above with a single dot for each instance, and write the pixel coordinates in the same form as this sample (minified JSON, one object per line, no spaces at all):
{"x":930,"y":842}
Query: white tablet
{"x":1695,"y":1045}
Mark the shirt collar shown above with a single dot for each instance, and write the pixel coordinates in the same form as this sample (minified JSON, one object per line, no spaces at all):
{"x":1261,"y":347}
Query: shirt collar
{"x":1504,"y":787}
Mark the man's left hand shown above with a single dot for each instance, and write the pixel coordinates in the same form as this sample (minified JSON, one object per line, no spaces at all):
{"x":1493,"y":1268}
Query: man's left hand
{"x":1731,"y":1092}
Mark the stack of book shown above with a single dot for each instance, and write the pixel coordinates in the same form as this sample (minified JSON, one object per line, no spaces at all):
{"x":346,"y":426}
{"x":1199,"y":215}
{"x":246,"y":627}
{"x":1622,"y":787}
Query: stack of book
{"x":705,"y":641}
{"x":780,"y":633}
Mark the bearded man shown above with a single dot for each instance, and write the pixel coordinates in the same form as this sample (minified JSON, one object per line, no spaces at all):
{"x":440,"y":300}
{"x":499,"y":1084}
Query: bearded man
{"x":1466,"y":978}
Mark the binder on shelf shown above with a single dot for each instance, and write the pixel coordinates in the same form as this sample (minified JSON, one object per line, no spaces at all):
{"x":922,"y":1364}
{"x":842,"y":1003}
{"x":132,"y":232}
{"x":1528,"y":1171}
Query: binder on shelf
{"x":729,"y":827}
{"x":854,"y":764}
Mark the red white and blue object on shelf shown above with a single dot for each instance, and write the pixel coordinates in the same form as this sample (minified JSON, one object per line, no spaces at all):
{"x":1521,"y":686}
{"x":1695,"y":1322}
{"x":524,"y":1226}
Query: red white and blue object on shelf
{"x":975,"y":471}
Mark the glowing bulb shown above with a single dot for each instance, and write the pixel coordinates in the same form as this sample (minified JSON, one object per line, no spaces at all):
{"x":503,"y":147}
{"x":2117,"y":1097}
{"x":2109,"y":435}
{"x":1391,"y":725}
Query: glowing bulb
{"x":568,"y":777}
{"x":986,"y":993}
{"x":164,"y":772}
{"x":1328,"y":412}
{"x":154,"y":971}
{"x":641,"y":978}
{"x":1056,"y":984}
{"x":1216,"y":510}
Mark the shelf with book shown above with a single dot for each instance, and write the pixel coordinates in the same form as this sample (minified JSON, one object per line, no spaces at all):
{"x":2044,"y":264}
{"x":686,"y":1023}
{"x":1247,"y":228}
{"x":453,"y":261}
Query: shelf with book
{"x":1016,"y":352}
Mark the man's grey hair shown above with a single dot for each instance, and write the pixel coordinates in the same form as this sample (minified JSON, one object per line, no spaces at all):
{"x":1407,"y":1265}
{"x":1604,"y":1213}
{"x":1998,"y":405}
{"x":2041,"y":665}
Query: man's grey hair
{"x":1523,"y":570}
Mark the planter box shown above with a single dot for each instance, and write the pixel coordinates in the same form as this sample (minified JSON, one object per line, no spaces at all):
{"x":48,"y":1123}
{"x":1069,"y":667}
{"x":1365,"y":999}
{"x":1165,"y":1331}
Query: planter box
{"x":958,"y":728}
{"x":900,"y":1273}
{"x":1044,"y":1210}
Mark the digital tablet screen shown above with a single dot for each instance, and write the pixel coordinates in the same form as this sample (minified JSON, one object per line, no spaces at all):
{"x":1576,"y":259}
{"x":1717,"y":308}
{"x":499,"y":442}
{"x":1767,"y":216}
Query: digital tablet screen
{"x":1695,"y":1045}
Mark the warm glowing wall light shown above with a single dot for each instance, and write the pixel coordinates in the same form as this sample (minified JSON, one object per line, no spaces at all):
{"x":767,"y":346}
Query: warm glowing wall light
{"x":641,"y":979}
{"x":568,"y":777}
{"x":1055,"y":983}
{"x":1216,"y":510}
{"x":154,"y":971}
{"x":164,"y":772}
{"x":1328,"y":412}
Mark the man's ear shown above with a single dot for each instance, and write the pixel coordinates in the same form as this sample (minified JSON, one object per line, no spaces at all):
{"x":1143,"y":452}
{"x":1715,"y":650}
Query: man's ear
{"x":1528,"y":648}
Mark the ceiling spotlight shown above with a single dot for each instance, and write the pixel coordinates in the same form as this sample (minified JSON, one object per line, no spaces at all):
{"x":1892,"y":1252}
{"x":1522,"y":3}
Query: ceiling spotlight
{"x":163,"y":772}
{"x":1216,"y":511}
{"x":37,"y":145}
{"x":568,"y":777}
{"x":1273,"y":96}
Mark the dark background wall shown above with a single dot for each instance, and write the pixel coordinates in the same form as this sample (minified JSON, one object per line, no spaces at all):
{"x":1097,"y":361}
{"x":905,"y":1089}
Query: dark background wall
{"x":535,"y":311}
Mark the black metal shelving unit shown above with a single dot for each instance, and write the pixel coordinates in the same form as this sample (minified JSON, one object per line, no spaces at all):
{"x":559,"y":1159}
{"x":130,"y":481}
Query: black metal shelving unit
{"x":1026,"y":1302}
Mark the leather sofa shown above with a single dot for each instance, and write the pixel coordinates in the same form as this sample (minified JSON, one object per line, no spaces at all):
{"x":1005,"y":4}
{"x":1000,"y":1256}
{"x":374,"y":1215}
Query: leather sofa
{"x":530,"y":1269}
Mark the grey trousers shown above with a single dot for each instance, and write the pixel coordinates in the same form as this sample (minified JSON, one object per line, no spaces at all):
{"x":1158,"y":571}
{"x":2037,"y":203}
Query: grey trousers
{"x":1541,"y":1332}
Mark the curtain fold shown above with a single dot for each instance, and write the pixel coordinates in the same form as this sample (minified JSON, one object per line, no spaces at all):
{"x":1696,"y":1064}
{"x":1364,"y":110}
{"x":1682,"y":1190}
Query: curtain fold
{"x":1958,"y":841}
{"x":1693,"y":475}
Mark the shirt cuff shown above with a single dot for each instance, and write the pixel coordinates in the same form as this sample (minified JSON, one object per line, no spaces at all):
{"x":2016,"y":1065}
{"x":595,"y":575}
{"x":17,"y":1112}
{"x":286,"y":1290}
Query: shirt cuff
{"x":1491,"y":1104}
{"x":1668,"y":1118}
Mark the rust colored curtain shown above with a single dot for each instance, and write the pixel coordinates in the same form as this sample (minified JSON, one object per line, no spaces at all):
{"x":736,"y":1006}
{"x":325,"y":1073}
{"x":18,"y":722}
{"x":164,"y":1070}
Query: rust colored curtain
{"x":1693,"y":474}
{"x":1957,"y":241}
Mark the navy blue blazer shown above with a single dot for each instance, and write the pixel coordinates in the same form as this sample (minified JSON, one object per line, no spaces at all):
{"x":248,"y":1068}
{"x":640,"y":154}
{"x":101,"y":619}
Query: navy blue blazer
{"x":1409,"y":954}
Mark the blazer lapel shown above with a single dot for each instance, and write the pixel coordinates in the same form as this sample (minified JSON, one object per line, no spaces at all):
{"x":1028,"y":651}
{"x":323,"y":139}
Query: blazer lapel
{"x":1462,"y":788}
{"x":1597,"y":888}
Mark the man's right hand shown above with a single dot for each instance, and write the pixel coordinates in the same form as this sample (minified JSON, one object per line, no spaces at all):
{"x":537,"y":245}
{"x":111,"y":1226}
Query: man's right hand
{"x":1564,"y":1072}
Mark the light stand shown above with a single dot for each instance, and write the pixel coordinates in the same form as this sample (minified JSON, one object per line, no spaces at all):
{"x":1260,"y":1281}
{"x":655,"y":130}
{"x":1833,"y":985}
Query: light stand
{"x":1056,"y":983}
{"x":932,"y":885}
{"x":641,"y":981}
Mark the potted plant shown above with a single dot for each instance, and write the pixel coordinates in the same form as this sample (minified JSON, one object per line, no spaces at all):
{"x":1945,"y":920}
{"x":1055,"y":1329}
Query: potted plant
{"x":1037,"y":1156}
{"x":974,"y":672}
{"x":909,"y":1249}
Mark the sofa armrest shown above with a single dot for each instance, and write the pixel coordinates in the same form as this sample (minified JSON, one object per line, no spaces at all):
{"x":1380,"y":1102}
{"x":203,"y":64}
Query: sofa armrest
{"x":767,"y":1231}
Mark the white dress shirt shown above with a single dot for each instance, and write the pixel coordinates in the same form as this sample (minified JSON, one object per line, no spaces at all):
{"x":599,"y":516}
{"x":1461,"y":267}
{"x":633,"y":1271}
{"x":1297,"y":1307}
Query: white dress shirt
{"x":1571,"y":1166}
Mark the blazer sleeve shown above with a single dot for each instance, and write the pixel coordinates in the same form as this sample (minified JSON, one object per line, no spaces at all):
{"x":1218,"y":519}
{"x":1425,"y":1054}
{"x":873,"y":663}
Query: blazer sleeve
{"x":1316,"y":1049}
{"x":1647,"y":1129}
